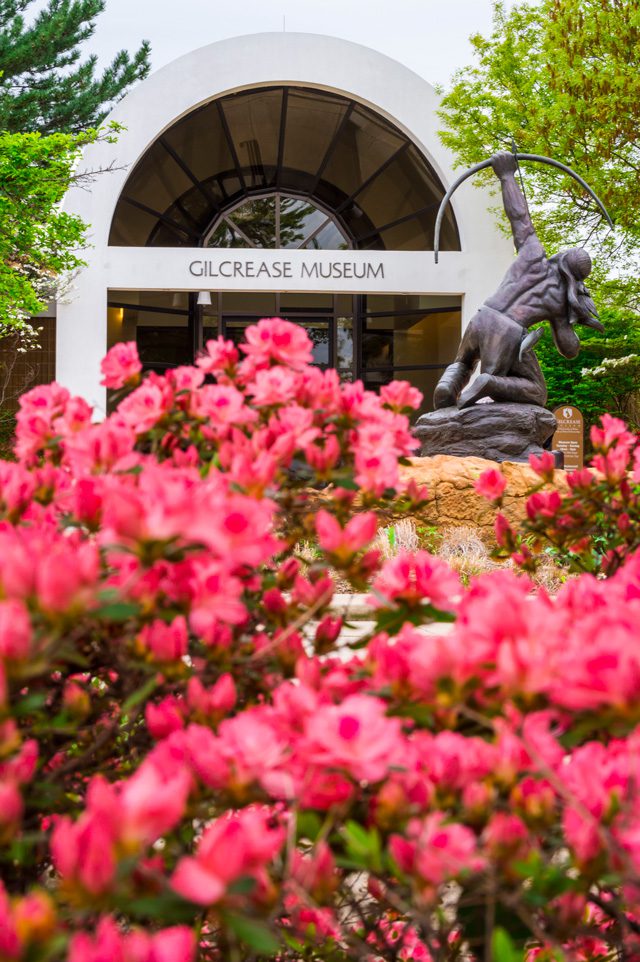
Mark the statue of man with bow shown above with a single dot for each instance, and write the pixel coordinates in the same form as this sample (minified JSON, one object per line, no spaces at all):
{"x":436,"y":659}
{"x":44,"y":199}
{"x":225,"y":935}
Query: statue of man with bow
{"x":535,"y":288}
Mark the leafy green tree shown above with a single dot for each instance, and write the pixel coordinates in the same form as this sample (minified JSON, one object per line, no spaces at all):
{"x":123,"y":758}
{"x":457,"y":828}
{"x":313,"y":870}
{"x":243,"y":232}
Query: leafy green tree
{"x":38,"y":240}
{"x":605,"y":377}
{"x":561,"y":77}
{"x":44,"y":85}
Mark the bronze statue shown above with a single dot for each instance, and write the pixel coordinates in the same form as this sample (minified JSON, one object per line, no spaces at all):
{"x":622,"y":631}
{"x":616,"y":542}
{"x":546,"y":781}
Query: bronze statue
{"x":535,"y":288}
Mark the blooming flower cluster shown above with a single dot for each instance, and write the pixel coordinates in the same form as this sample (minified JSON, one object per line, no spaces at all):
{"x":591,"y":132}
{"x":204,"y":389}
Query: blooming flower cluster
{"x":592,"y":528}
{"x":197,"y":763}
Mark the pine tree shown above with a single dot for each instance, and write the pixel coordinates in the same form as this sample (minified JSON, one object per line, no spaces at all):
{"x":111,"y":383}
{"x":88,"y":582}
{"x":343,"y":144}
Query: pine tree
{"x":44,"y":85}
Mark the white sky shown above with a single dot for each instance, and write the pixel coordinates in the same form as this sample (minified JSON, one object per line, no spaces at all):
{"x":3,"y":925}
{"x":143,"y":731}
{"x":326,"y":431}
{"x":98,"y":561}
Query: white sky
{"x":429,"y":36}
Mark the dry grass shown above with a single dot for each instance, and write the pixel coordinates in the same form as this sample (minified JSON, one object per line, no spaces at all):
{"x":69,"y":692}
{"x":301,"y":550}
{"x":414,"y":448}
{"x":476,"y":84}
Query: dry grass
{"x":461,"y":547}
{"x":401,"y":536}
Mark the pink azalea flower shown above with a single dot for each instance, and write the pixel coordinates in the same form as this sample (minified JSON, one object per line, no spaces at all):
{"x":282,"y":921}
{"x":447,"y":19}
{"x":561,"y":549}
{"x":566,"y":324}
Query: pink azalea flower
{"x":218,"y":356}
{"x":413,"y":578}
{"x":150,"y":805}
{"x":15,"y":631}
{"x":146,"y":406}
{"x":436,"y":851}
{"x":221,"y":405}
{"x":341,"y":542}
{"x":165,"y":642}
{"x":355,"y":736}
{"x":121,"y":365}
{"x":491,"y":484}
{"x":175,"y":944}
{"x":273,"y":339}
{"x":239,"y":844}
{"x":544,"y":465}
{"x":83,"y":853}
{"x":400,"y":395}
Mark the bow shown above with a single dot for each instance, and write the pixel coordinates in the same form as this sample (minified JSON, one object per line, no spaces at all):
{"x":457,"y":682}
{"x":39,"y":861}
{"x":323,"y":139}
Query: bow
{"x":487,"y":163}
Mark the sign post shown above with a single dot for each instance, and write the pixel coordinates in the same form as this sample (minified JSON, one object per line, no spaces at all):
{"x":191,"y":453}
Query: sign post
{"x":569,"y":436}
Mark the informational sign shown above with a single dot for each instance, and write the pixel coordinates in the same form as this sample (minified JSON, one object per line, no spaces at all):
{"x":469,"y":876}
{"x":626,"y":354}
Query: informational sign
{"x":569,"y":436}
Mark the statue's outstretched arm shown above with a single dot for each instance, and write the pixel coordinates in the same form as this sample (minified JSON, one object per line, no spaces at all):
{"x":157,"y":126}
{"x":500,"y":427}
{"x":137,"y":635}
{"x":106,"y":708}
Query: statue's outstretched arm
{"x":515,"y":205}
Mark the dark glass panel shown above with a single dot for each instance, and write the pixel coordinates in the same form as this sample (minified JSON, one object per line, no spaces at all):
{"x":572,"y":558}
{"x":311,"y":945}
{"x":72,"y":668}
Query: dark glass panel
{"x":313,"y":119}
{"x":162,"y":346}
{"x":345,"y":303}
{"x":157,"y":180}
{"x":132,"y":227}
{"x":158,"y":321}
{"x":406,"y":339}
{"x":261,"y":304}
{"x":164,"y":236}
{"x":254,"y":125}
{"x":410,"y":235}
{"x":163,"y":300}
{"x":298,"y":219}
{"x":195,"y":205}
{"x":210,"y":329}
{"x":425,"y":381}
{"x":402,"y":303}
{"x":257,"y":221}
{"x":404,"y":187}
{"x":199,"y":140}
{"x":330,"y":238}
{"x":225,"y":236}
{"x":377,"y":353}
{"x":365,"y":143}
{"x":293,"y":300}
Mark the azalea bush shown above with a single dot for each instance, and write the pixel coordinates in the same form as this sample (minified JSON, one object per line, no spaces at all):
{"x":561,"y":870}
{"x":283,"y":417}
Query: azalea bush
{"x":196,"y":763}
{"x":595,"y":526}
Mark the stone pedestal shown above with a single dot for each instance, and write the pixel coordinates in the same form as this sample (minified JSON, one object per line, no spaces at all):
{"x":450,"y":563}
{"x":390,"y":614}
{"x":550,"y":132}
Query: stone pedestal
{"x":496,"y":431}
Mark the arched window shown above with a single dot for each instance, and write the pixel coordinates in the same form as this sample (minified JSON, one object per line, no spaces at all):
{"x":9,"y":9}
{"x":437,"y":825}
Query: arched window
{"x":278,"y":221}
{"x":282,"y":167}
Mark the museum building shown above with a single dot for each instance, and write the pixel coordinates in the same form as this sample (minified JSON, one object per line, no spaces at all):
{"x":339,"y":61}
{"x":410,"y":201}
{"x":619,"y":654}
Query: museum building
{"x":278,"y":174}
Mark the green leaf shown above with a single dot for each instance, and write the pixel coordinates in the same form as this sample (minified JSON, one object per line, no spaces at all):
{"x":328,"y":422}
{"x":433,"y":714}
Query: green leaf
{"x":30,"y":703}
{"x":421,"y":714}
{"x":308,"y":825}
{"x":503,"y":949}
{"x":118,"y":611}
{"x":253,"y":933}
{"x":242,"y":886}
{"x":141,"y":694}
{"x":169,"y":907}
{"x":363,"y":845}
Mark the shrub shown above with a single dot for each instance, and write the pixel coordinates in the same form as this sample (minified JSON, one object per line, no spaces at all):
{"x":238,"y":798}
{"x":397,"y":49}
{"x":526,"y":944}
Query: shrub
{"x":190,"y":763}
{"x":596,"y":526}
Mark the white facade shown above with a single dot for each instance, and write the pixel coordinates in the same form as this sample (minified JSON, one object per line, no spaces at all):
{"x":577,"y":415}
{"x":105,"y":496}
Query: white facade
{"x":302,"y":60}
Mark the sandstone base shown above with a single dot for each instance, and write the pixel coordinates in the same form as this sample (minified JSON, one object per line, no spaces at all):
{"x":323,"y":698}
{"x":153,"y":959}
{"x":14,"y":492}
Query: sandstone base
{"x":453,"y":501}
{"x":500,"y":432}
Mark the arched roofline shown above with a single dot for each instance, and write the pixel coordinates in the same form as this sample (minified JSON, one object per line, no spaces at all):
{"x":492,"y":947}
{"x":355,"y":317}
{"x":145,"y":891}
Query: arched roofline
{"x":320,"y":62}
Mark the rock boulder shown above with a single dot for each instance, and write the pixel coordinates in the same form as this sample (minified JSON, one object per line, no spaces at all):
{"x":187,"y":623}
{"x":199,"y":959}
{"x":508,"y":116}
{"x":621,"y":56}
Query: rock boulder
{"x":453,"y":501}
{"x":500,"y":432}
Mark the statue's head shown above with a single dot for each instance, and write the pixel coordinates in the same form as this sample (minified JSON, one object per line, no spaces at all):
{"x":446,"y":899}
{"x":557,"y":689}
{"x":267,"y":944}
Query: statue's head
{"x":577,"y":262}
{"x":574,"y":266}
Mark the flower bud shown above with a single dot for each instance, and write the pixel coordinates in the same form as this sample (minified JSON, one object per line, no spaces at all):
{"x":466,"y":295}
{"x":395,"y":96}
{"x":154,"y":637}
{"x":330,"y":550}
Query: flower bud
{"x":327,"y":632}
{"x":76,"y":700}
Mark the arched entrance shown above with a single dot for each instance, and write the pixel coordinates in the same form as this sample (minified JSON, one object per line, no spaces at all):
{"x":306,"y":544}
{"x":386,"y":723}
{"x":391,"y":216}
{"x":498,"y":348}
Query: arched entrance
{"x":288,"y":168}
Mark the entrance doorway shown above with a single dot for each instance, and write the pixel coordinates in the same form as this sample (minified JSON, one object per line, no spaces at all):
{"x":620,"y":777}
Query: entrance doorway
{"x":374,"y":337}
{"x":327,"y":319}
